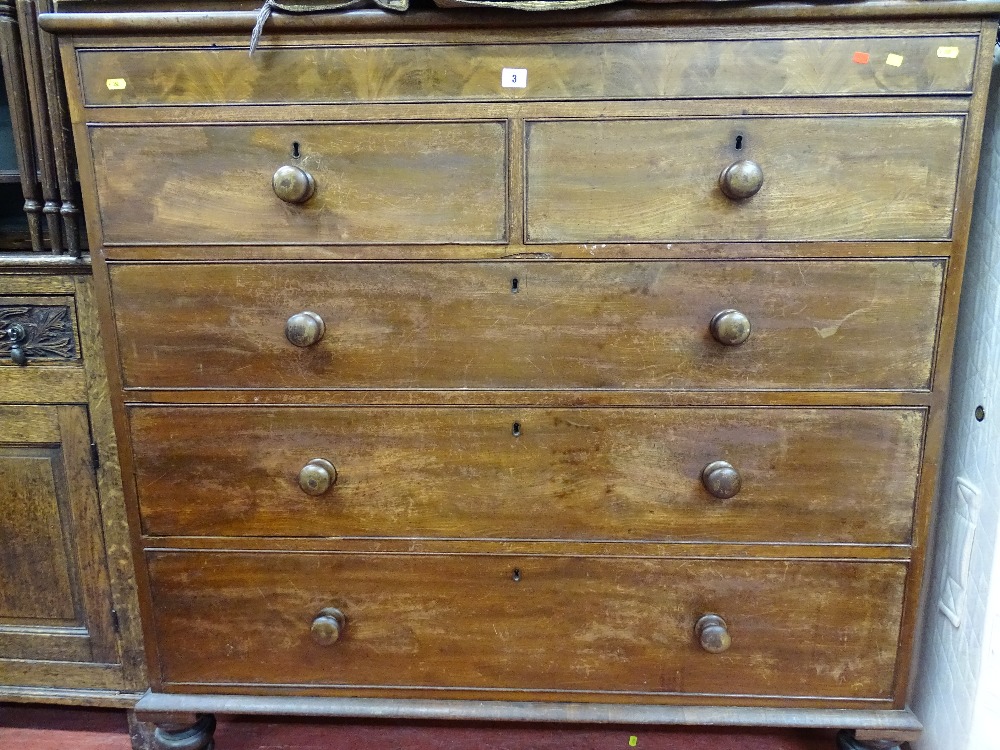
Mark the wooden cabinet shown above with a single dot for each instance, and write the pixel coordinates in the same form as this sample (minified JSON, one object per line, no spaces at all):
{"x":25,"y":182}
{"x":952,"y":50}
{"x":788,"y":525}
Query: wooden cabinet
{"x":612,"y":393}
{"x":69,"y":630}
{"x":69,"y":625}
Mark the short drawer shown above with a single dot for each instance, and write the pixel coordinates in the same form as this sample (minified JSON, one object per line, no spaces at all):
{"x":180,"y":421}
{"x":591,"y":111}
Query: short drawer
{"x":823,"y":325}
{"x":607,"y":628}
{"x":38,"y":330}
{"x":416,"y":182}
{"x":224,"y":74}
{"x":790,"y":475}
{"x":874,"y":177}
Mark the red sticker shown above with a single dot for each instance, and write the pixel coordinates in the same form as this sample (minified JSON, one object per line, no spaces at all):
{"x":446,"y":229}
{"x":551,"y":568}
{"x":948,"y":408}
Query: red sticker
{"x":861,"y":57}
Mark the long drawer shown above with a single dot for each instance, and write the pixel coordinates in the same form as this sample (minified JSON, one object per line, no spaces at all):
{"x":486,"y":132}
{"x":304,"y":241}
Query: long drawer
{"x":610,"y":628}
{"x":824,"y":178}
{"x":804,"y":475}
{"x":417,"y":182}
{"x":530,"y":325}
{"x":875,"y":65}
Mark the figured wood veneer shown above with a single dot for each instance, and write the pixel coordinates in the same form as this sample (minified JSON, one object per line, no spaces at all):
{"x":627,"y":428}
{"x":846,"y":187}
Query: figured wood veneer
{"x":816,"y":325}
{"x":809,"y":475}
{"x":611,"y":629}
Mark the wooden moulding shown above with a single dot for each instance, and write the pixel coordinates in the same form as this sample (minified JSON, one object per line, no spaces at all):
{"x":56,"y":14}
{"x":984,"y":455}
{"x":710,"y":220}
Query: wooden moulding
{"x":152,"y":705}
{"x":92,"y":698}
{"x":173,"y":22}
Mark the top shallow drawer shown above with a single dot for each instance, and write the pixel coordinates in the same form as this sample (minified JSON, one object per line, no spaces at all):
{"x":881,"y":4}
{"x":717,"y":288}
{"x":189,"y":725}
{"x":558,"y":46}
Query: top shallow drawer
{"x":562,"y":71}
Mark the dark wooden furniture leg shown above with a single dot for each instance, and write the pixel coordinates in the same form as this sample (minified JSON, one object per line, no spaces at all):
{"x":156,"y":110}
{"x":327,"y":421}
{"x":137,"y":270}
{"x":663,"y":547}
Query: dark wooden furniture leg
{"x":184,"y":733}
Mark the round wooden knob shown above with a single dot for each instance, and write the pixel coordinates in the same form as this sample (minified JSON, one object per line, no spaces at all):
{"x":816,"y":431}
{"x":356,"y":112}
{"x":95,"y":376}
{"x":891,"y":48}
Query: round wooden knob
{"x":741,"y":179}
{"x":304,"y":328}
{"x":327,"y":626}
{"x":317,"y":476}
{"x":721,"y":479}
{"x":730,"y":327}
{"x":712,"y":633}
{"x":293,"y":184}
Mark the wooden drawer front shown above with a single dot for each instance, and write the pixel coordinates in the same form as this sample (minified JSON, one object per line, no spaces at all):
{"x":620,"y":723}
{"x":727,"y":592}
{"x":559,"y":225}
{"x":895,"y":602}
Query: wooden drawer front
{"x":374,"y":182}
{"x":567,"y":624}
{"x":560,"y":71}
{"x":45,"y":330}
{"x":808,"y":475}
{"x":830,"y":178}
{"x":570,"y":325}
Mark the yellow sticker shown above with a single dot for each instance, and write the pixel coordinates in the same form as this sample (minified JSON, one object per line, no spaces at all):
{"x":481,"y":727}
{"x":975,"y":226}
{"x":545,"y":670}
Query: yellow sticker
{"x":633,"y":741}
{"x":894,"y":60}
{"x":116,"y":84}
{"x":951,"y":52}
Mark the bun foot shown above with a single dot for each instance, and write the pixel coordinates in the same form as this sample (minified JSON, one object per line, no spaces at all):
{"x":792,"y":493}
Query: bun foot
{"x":847,"y":741}
{"x":196,"y":736}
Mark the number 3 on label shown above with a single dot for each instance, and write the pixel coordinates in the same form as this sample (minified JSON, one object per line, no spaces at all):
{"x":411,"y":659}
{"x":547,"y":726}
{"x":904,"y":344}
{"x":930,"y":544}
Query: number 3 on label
{"x":514,"y":78}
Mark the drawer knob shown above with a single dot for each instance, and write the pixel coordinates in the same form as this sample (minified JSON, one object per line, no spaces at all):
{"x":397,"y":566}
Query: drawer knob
{"x":304,"y":328}
{"x":741,"y":179}
{"x":327,"y":626}
{"x":293,"y":184}
{"x":721,"y":479}
{"x":713,"y":634}
{"x":317,"y":476}
{"x":17,"y":335}
{"x":730,"y":327}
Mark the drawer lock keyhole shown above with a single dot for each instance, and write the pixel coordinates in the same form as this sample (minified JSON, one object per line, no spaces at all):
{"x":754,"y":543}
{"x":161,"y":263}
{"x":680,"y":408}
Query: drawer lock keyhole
{"x":515,"y":429}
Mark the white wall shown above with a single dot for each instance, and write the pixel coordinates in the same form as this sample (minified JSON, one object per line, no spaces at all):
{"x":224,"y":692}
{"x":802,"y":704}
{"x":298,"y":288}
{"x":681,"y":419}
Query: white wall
{"x":958,"y":681}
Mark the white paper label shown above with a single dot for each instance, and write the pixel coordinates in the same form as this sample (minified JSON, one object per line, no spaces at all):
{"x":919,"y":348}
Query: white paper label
{"x":115,"y":84}
{"x":514,"y":78}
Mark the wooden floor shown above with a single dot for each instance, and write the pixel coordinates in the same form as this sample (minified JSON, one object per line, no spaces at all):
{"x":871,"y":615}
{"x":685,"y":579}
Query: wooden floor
{"x":44,"y":728}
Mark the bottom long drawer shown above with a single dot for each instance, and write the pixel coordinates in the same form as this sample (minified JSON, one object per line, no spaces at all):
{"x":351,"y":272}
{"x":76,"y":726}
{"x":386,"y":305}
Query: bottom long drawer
{"x":548,"y":624}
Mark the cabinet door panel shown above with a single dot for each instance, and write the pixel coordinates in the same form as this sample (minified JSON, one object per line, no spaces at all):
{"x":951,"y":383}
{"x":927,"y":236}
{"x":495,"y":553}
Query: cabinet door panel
{"x":53,"y":577}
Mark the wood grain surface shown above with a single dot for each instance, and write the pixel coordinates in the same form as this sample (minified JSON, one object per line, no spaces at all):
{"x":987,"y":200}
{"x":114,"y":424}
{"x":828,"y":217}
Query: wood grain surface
{"x":566,"y":624}
{"x":440,"y":182}
{"x":842,"y":178}
{"x":555,"y":71}
{"x":53,"y":580}
{"x":816,"y":325}
{"x":809,"y":475}
{"x":35,"y":573}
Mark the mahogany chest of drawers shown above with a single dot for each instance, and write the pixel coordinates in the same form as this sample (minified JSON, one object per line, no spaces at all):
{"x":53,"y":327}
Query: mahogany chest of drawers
{"x":583,"y":366}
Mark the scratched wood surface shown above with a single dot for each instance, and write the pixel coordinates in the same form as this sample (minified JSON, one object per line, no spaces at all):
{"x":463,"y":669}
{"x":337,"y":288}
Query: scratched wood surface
{"x":877,"y":172}
{"x":563,"y":71}
{"x":567,"y":623}
{"x":843,"y":178}
{"x":392,"y":182}
{"x":568,"y":325}
{"x":822,"y":475}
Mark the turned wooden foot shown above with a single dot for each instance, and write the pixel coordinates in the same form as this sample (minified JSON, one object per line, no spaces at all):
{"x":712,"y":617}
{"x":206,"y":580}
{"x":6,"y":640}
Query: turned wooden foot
{"x":846,"y":740}
{"x":196,"y":736}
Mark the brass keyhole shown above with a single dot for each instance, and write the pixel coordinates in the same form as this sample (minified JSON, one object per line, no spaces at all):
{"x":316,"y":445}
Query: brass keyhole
{"x":515,"y":429}
{"x":296,"y":152}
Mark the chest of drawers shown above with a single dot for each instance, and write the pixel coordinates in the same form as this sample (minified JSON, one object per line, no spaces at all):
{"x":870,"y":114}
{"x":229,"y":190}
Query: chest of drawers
{"x":613,"y":396}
